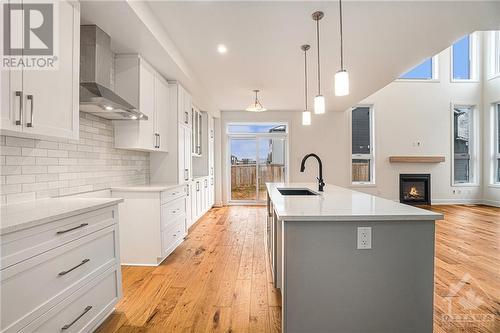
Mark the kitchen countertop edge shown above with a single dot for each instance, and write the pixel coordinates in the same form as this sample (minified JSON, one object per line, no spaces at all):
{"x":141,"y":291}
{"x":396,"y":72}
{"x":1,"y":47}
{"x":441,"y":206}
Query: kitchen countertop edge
{"x":25,"y":219}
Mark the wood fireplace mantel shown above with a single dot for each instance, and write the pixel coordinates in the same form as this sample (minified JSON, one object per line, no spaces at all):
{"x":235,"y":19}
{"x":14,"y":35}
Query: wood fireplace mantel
{"x":416,"y":159}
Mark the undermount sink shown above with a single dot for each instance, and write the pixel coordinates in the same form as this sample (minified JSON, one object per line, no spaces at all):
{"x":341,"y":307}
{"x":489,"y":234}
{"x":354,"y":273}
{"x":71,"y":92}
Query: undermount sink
{"x":296,"y":191}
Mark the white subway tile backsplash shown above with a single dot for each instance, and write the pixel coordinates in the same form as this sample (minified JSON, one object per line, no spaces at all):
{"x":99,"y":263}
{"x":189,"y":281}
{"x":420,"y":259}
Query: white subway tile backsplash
{"x":47,"y":160}
{"x":19,"y":160}
{"x":57,"y":153}
{"x":19,"y":142}
{"x":33,"y":169}
{"x":19,"y":179}
{"x":6,"y":151}
{"x":33,"y":152}
{"x":18,"y":197}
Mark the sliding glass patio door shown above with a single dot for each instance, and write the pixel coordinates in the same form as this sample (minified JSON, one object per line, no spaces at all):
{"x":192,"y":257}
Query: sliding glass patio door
{"x":255,"y":158}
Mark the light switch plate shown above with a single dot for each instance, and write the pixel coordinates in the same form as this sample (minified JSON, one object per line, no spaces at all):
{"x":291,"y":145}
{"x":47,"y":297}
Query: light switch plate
{"x":364,"y":238}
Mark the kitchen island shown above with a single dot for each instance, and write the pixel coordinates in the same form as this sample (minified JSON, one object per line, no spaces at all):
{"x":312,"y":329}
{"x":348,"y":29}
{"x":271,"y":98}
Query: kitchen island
{"x":337,"y":277}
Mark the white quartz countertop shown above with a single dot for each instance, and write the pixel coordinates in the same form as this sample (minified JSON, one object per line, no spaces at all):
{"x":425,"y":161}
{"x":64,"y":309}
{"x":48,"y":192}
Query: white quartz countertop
{"x":341,"y":204}
{"x":153,"y":187}
{"x":24,"y":215}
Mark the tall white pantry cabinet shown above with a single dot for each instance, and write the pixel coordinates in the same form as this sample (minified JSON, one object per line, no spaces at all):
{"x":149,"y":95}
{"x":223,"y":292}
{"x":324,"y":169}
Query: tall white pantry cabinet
{"x":27,"y":96}
{"x":176,"y":165}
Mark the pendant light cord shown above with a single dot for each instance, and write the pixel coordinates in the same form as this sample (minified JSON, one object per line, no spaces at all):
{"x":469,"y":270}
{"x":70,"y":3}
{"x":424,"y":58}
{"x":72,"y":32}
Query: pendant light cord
{"x":317,"y":43}
{"x":305,"y":77}
{"x":341,"y":38}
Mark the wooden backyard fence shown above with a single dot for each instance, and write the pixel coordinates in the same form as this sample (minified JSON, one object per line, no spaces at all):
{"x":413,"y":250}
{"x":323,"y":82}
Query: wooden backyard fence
{"x":246,"y":174}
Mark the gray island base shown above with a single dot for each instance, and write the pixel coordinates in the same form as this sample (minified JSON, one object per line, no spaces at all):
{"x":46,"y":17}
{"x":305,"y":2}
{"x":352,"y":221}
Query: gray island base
{"x":328,"y":284}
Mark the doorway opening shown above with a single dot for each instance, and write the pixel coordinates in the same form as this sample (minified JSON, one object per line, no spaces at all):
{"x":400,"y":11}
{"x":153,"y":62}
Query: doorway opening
{"x":258,"y":153}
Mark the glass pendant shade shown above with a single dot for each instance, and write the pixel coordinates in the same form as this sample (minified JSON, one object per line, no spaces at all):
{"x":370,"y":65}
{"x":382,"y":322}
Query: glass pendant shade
{"x":319,"y":104}
{"x":341,"y":83}
{"x":306,"y":118}
{"x":256,"y":106}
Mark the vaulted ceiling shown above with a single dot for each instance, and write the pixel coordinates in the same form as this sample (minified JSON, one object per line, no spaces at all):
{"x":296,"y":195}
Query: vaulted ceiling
{"x":382,"y":39}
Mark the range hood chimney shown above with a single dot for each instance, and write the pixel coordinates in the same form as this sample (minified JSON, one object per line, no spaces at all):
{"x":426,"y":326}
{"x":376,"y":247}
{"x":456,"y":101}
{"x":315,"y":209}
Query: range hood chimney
{"x":96,"y":64}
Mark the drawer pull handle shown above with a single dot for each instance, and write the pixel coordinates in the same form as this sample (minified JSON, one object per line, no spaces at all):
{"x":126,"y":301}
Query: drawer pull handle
{"x":87,"y":309}
{"x":71,"y":229}
{"x":84,"y":261}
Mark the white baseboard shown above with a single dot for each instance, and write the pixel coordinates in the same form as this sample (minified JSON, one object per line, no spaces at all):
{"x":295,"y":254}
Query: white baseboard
{"x":465,"y":202}
{"x":491,"y":203}
{"x":456,"y":201}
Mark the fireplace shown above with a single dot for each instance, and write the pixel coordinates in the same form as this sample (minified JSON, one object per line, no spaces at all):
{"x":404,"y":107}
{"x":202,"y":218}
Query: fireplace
{"x":415,"y":189}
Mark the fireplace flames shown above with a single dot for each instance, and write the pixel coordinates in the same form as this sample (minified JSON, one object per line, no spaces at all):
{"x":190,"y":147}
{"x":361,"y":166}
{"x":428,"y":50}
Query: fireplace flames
{"x":414,"y":193}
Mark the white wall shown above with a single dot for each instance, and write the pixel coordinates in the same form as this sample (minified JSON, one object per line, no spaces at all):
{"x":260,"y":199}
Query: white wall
{"x":491,"y":94}
{"x":405,"y":113}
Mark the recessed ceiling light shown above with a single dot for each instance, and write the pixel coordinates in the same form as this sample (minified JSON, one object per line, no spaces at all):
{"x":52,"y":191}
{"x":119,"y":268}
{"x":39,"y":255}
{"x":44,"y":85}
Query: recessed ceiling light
{"x":109,"y":108}
{"x":221,"y":48}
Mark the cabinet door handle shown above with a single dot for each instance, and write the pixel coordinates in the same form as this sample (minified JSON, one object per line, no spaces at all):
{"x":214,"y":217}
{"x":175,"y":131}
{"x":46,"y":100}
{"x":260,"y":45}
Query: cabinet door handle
{"x":71,"y":229}
{"x":19,"y":121}
{"x":186,"y":174}
{"x":157,"y":136}
{"x":187,"y":190}
{"x":84,"y":261}
{"x":186,"y":117}
{"x":159,"y":140}
{"x":30,"y":98}
{"x":87,"y":309}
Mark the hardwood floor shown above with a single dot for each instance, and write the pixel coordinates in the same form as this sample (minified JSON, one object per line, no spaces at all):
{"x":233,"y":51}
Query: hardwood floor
{"x":218,"y":280}
{"x":467,"y":269}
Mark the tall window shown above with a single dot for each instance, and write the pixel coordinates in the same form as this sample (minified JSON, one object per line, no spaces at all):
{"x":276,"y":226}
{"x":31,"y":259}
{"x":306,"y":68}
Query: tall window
{"x":425,"y":71}
{"x":362,"y":145}
{"x":463,"y":145}
{"x":497,"y":145}
{"x":464,"y":58}
{"x":495,"y":53}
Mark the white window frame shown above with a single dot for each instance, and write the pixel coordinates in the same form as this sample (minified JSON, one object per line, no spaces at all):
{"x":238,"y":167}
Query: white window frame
{"x":435,"y":72}
{"x":495,"y":151}
{"x":474,"y":179}
{"x":494,"y":54}
{"x":283,"y":135}
{"x":370,"y":156}
{"x":474,"y":60}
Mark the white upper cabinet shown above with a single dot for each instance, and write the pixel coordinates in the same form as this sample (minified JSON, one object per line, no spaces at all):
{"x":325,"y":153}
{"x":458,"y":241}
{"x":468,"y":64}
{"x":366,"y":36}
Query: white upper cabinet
{"x":45,"y":102}
{"x":140,"y":84}
{"x":184,"y":107}
{"x":162,"y":111}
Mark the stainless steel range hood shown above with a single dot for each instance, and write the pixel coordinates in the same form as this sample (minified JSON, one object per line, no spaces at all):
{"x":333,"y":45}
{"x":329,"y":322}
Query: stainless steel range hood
{"x":96,"y":64}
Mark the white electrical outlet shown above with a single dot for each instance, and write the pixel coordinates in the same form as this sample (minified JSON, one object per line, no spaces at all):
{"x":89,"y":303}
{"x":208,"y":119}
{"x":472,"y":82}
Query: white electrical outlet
{"x":364,"y":238}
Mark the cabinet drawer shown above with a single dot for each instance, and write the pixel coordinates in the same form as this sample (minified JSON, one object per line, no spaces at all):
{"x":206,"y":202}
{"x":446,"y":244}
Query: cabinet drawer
{"x":172,"y":236}
{"x":172,"y":211}
{"x":34,"y":285}
{"x":21,"y":245}
{"x":172,"y":194}
{"x":82,"y":310}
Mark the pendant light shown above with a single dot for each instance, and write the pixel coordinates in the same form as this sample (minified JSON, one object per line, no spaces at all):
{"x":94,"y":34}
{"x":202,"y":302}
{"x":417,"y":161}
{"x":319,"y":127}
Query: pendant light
{"x":341,"y":77}
{"x":319,"y":100}
{"x":306,"y":114}
{"x":256,"y":106}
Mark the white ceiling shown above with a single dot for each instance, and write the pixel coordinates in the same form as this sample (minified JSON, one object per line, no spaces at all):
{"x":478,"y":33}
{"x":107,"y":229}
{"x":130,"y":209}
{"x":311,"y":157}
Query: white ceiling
{"x":382,"y":40}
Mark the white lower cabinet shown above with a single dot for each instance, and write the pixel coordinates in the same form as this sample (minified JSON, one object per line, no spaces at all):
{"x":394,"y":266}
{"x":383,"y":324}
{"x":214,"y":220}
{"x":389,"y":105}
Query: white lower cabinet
{"x":201,"y":197}
{"x":153,"y":223}
{"x":61,"y":276}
